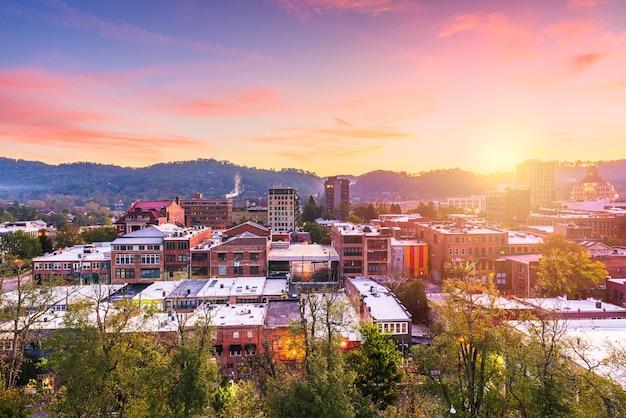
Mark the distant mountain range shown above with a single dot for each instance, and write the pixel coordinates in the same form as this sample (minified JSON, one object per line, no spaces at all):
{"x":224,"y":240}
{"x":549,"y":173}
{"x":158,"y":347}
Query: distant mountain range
{"x":23,"y":180}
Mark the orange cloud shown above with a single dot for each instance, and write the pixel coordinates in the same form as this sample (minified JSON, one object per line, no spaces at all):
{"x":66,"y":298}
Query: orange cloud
{"x":251,"y":101}
{"x":582,"y":62}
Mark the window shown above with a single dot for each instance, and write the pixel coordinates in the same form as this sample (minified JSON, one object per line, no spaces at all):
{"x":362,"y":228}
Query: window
{"x":238,"y":270}
{"x":170,"y":245}
{"x":221,"y":270}
{"x":124,"y":259}
{"x":37,"y":266}
{"x":221,"y":256}
{"x":254,"y":270}
{"x":150,"y":274}
{"x":249,"y":334}
{"x":57,"y":266}
{"x":254,"y":256}
{"x":235,"y":350}
{"x":124,"y":273}
{"x":235,"y":334}
{"x":150,"y":259}
{"x":182,"y":258}
{"x":238,"y":256}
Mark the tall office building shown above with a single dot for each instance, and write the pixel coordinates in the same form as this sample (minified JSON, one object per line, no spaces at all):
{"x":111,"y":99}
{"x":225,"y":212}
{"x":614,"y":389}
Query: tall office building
{"x":538,"y":177}
{"x":337,"y":195}
{"x":283,"y":209}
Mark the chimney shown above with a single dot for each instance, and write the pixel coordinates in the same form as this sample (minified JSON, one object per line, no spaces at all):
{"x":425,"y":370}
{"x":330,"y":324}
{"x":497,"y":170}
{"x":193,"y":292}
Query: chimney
{"x":598,"y":305}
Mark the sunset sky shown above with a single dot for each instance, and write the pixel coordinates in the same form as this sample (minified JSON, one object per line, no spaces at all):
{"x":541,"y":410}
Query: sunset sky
{"x":332,"y":86}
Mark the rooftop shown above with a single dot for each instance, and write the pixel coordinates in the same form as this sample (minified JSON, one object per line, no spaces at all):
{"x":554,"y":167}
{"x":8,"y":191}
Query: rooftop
{"x":299,"y":252}
{"x":450,"y":228}
{"x":100,"y":251}
{"x":524,"y":238}
{"x":381,"y":303}
{"x":346,"y":228}
{"x":562,"y":304}
{"x":522,"y":258}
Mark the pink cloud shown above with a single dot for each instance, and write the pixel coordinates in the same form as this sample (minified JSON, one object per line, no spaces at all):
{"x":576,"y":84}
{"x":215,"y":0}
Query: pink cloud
{"x":256,"y":100}
{"x":475,"y":22}
{"x":571,"y":29}
{"x":582,"y":4}
{"x":368,"y":7}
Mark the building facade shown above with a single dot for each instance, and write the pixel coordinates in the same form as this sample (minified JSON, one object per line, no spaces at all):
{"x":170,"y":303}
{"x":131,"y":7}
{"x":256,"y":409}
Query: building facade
{"x":84,"y":264}
{"x":283,"y":209}
{"x":409,"y":258}
{"x":337,"y":195}
{"x":451,"y":246}
{"x":243,"y":255}
{"x":216,"y":213}
{"x":144,"y":213}
{"x":364,"y":250}
{"x":538,"y":177}
{"x":508,"y":205}
{"x":593,"y":187}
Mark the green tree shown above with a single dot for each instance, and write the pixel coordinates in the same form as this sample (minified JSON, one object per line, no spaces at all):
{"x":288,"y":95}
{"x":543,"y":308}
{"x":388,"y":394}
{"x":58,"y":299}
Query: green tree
{"x":103,"y":234}
{"x":325,"y":391}
{"x":311,"y":211}
{"x":68,"y":236}
{"x":365,"y":212}
{"x":565,"y":268}
{"x":377,"y":364}
{"x":395,"y":208}
{"x":21,"y":245}
{"x":47,"y":246}
{"x":319,"y":234}
{"x":412,"y":294}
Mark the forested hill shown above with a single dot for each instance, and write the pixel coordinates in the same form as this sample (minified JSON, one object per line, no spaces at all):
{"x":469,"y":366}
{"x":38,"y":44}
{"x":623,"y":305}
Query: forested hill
{"x":106,"y":184}
{"x":23,"y":180}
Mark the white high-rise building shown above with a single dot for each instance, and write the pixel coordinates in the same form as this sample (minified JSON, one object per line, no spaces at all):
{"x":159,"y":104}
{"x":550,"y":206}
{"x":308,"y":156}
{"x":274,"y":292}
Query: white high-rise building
{"x":283,"y":208}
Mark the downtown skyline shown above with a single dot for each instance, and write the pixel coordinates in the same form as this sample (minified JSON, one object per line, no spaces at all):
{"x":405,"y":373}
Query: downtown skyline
{"x":330,"y":86}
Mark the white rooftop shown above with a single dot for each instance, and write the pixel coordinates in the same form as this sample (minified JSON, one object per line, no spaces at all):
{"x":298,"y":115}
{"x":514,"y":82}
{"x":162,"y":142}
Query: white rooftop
{"x":156,"y":290}
{"x":524,"y":238}
{"x":382,"y":304}
{"x":300,"y":252}
{"x":100,"y":251}
{"x":562,"y":304}
{"x":346,"y":228}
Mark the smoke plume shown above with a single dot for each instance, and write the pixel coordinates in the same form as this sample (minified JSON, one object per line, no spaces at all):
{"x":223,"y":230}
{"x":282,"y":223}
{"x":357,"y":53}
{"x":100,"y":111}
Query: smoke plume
{"x":237,"y":190}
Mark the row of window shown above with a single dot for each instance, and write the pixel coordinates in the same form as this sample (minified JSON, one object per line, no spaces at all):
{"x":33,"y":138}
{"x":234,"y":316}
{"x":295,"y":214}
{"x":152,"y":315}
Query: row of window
{"x":136,"y":247}
{"x":177,"y":245}
{"x":238,"y":270}
{"x":393,"y":328}
{"x":237,"y":256}
{"x":66,"y":266}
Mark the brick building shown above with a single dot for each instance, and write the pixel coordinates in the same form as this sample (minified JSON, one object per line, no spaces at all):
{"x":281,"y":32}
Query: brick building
{"x":216,"y":213}
{"x":363,"y":249}
{"x":243,"y":255}
{"x":450,"y":245}
{"x":507,"y":205}
{"x":144,"y":213}
{"x":593,"y":225}
{"x":154,"y":253}
{"x":517,"y":274}
{"x":616,"y":291}
{"x":86,"y":264}
{"x":248,"y":226}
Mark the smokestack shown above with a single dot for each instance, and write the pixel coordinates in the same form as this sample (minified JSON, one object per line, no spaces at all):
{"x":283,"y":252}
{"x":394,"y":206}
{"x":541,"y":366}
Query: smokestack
{"x":237,"y":190}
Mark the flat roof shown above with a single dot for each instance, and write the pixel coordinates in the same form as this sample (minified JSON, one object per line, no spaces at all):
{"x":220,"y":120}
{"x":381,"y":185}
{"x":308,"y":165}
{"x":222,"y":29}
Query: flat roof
{"x":522,"y":258}
{"x":238,"y":314}
{"x":95,"y":252}
{"x":382,"y":304}
{"x":406,"y":242}
{"x":562,"y":304}
{"x":524,"y":238}
{"x":223,"y":287}
{"x":155,"y":290}
{"x":467,"y":229}
{"x":306,"y":252}
{"x":346,"y":228}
